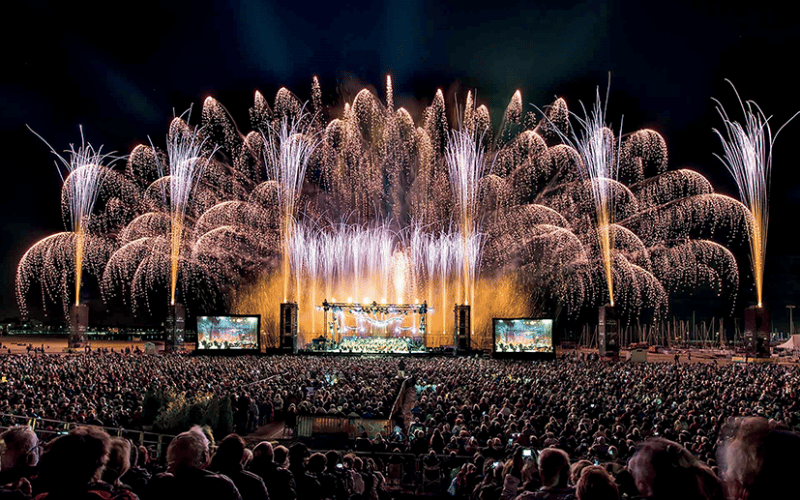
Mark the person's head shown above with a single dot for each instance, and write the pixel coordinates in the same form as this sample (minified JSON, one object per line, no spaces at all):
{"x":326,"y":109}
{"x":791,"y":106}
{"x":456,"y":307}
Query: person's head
{"x":664,"y":469}
{"x":332,"y":458}
{"x":230,"y":452}
{"x":247,"y":457}
{"x":263,"y":452}
{"x":188,"y":450}
{"x":316,"y":463}
{"x":19,"y":446}
{"x":280,"y":454}
{"x":576,"y":468}
{"x":596,"y":484}
{"x":757,"y":458}
{"x":298,"y":452}
{"x":119,"y":455}
{"x":75,"y":460}
{"x":553,"y":468}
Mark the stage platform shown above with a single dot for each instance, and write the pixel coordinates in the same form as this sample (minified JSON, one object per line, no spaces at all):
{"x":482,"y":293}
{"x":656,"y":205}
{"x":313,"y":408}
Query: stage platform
{"x":337,"y":352}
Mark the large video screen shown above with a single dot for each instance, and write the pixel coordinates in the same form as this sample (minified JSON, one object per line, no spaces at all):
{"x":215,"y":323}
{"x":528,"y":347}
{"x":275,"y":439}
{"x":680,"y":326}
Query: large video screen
{"x":228,"y":332}
{"x":519,"y":335}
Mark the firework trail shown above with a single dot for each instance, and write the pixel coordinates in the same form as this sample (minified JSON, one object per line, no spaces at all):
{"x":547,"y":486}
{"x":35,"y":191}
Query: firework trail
{"x":186,"y":161}
{"x":286,"y":155}
{"x":83,"y":175}
{"x":466,"y":165}
{"x":747,"y":154}
{"x":595,"y":143}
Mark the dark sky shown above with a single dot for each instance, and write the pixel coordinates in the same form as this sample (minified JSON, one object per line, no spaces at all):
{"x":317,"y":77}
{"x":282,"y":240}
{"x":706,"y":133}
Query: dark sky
{"x":120,"y":70}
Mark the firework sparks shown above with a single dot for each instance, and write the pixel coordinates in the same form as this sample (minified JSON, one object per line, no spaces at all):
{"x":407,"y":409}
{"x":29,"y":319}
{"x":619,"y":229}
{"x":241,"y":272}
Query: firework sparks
{"x":747,"y":154}
{"x":373,"y":204}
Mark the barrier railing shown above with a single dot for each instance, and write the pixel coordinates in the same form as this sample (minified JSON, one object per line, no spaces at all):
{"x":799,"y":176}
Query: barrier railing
{"x":312,"y":425}
{"x":48,"y":429}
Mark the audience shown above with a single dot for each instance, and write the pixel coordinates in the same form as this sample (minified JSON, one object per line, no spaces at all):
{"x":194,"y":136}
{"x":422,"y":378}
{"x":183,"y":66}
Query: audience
{"x":475,"y":427}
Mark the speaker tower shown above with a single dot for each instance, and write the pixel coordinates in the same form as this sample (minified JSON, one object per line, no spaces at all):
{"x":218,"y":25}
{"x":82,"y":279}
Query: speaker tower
{"x":288,"y":327}
{"x":462,"y":329}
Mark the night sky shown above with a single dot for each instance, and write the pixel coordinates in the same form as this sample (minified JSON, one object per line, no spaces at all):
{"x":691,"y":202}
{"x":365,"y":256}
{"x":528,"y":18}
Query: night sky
{"x":121,"y":71}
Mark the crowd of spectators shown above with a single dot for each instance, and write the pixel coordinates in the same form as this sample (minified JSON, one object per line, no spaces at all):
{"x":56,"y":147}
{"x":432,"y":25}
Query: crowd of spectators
{"x":757,"y":459}
{"x":108,"y":388}
{"x":576,"y":427}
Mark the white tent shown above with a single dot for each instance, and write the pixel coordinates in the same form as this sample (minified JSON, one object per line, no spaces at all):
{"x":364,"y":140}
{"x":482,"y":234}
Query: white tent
{"x":792,"y":344}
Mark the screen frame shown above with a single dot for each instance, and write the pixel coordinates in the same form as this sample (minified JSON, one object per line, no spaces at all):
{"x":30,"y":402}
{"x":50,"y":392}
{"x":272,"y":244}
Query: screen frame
{"x":257,"y":349}
{"x":548,"y":354}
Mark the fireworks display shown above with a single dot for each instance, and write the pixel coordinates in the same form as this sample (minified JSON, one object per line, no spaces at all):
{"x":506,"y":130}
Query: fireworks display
{"x":747,"y":154}
{"x":365,"y":204}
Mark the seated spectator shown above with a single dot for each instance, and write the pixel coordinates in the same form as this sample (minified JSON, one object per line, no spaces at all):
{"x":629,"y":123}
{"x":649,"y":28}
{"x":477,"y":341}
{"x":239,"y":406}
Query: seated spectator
{"x":554,"y":474}
{"x":665,"y":469}
{"x":119,"y":461}
{"x":19,"y":454}
{"x":279,"y":481}
{"x":758,"y":459}
{"x":187,"y":458}
{"x":332,"y":478}
{"x":137,"y":475}
{"x":596,"y":484}
{"x":576,"y":469}
{"x":315,"y":468}
{"x":228,"y":461}
{"x":72,"y":466}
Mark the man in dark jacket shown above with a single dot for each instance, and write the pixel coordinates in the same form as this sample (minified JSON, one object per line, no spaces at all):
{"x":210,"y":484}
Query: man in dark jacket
{"x":228,"y":461}
{"x":279,"y":481}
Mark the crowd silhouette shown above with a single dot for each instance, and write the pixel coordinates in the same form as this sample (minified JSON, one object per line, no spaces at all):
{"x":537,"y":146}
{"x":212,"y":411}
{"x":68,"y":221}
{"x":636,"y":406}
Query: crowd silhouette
{"x":479,"y":428}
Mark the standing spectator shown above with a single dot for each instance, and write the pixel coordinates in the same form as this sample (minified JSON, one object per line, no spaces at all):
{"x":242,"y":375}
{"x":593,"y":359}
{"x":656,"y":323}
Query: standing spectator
{"x":290,"y":420}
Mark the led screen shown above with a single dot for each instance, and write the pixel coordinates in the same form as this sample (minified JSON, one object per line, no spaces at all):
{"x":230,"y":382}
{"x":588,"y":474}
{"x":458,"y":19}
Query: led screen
{"x":523,"y":335}
{"x":227,"y":332}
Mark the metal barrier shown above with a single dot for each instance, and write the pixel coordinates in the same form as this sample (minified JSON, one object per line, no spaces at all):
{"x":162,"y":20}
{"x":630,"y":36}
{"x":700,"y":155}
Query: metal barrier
{"x":48,"y":429}
{"x":312,"y":425}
